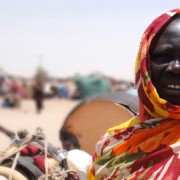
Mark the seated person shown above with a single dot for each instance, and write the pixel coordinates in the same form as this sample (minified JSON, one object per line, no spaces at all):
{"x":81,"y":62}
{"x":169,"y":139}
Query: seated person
{"x":147,"y":146}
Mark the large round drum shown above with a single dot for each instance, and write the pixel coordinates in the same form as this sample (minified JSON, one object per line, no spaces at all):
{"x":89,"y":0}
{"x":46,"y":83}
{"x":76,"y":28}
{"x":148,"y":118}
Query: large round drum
{"x":86,"y":124}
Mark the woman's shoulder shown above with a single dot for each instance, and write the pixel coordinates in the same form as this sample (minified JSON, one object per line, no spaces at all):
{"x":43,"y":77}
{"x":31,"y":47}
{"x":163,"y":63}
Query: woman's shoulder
{"x":132,"y":122}
{"x":113,"y":137}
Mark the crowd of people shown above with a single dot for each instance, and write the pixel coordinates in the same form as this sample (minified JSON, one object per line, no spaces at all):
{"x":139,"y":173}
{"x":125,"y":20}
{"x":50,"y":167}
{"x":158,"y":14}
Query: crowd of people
{"x":13,"y":89}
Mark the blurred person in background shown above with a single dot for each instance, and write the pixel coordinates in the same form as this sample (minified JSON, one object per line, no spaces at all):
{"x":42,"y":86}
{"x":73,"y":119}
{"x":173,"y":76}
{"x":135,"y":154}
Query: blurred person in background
{"x":38,"y":95}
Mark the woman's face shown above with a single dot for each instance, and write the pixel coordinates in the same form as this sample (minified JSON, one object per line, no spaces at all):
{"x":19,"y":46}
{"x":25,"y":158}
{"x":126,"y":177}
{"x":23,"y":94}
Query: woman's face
{"x":165,"y":63}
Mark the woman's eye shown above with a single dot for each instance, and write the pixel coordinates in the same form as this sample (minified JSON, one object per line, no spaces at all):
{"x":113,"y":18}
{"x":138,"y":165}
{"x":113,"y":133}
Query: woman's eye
{"x":162,"y":59}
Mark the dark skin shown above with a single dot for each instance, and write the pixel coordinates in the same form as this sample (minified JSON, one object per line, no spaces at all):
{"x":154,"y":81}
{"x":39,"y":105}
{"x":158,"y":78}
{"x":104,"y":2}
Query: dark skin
{"x":165,"y":62}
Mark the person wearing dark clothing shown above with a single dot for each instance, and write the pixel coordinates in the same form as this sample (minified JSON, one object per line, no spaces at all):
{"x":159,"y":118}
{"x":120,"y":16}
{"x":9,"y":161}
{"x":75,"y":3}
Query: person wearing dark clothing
{"x":38,"y":95}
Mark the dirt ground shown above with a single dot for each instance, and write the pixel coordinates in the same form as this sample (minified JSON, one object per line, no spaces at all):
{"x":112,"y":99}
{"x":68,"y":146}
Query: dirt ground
{"x":25,"y":117}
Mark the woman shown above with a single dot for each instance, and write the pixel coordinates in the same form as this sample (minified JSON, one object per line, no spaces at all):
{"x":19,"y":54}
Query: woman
{"x":148,"y":145}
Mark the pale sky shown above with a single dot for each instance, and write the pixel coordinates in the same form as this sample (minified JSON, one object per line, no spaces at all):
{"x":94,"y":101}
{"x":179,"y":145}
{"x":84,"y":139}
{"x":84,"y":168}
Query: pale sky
{"x":75,"y":36}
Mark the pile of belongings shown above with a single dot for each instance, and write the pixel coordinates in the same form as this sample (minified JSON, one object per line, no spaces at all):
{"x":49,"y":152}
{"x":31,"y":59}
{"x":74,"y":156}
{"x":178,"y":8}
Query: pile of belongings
{"x":33,"y":158}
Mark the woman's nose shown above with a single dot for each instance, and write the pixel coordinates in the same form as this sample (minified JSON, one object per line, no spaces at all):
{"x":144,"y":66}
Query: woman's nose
{"x":174,"y":67}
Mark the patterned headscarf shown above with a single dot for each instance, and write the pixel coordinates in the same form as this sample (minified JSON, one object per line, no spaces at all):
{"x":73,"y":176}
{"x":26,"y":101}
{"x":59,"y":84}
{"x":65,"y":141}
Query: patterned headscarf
{"x":148,"y":145}
{"x":150,"y":104}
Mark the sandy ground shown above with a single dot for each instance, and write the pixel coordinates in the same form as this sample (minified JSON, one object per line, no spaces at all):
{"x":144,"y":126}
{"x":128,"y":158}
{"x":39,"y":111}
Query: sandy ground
{"x":50,"y":120}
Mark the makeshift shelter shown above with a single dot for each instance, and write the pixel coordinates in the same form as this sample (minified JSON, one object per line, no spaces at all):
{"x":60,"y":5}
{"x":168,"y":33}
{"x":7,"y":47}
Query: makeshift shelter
{"x":89,"y":86}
